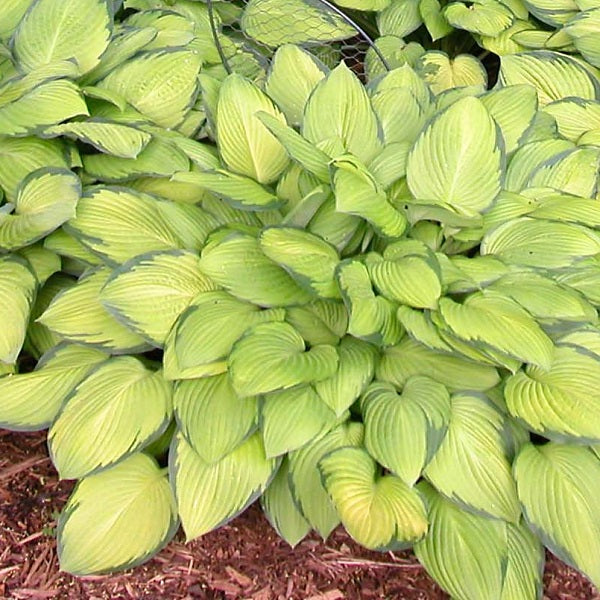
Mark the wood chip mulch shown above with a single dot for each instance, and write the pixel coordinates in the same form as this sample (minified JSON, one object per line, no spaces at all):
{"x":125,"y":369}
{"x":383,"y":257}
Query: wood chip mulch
{"x":244,"y":560}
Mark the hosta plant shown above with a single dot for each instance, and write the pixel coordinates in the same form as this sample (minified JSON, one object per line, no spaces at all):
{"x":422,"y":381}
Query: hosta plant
{"x":371,"y":302}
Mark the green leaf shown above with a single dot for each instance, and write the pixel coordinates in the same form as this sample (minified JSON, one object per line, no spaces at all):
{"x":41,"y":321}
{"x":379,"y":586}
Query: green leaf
{"x":574,"y":116}
{"x":339,"y":107}
{"x":116,"y":410}
{"x":236,"y":261}
{"x":306,"y":257}
{"x":273,"y":356}
{"x":372,"y":317}
{"x":77,"y":315}
{"x":399,"y":18}
{"x":555,"y":76}
{"x":485,"y":17}
{"x":279,"y":508}
{"x":149,"y":292}
{"x":18,"y":286}
{"x":377,"y":511}
{"x":92,"y":540}
{"x":485,"y":317}
{"x":305,"y":478}
{"x":293,"y":76}
{"x":71,"y":29}
{"x":11,"y":12}
{"x":320,"y":322}
{"x":277,"y":22}
{"x":161,"y":84}
{"x":552,"y":12}
{"x":210,"y":495}
{"x":31,"y":401}
{"x":46,"y":198}
{"x":443,"y":73}
{"x":540,"y":243}
{"x":471,"y":465}
{"x":436,"y":23}
{"x":358,"y":194}
{"x":561,"y":402}
{"x":456,"y":160}
{"x":292,"y":418}
{"x":201,"y":340}
{"x":67,"y":246}
{"x":244,"y":143}
{"x":558,"y":488}
{"x":403,"y":432}
{"x":212,"y":418}
{"x":45,"y":104}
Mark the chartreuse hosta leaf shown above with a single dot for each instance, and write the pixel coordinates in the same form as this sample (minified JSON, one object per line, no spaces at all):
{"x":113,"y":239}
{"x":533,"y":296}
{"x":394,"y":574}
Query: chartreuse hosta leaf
{"x":280,"y":509}
{"x":305,"y":479}
{"x":397,"y":18}
{"x":276,"y":22}
{"x":77,"y":315}
{"x":472,"y":556}
{"x":273,"y":356}
{"x":117,"y":519}
{"x":377,"y":511}
{"x":246,"y":146}
{"x":403,"y":432}
{"x":210,"y":495}
{"x":484,"y":318}
{"x":372,"y":317}
{"x":560,"y":403}
{"x":574,"y":116}
{"x":471,"y":465}
{"x":201,"y":340}
{"x":555,"y":76}
{"x":465,"y":174}
{"x":46,"y":198}
{"x":356,"y":367}
{"x":212,"y":418}
{"x":558,"y":488}
{"x":31,"y":401}
{"x":161,"y":84}
{"x":291,"y":418}
{"x":236,"y":261}
{"x":149,"y":292}
{"x":320,"y":322}
{"x":11,"y":12}
{"x":65,"y":245}
{"x":306,"y":257}
{"x":18,"y":286}
{"x":293,"y":76}
{"x":584,"y":29}
{"x":357,"y":193}
{"x":117,"y":409}
{"x":340,"y":108}
{"x":443,"y":73}
{"x":72,"y":29}
{"x":540,"y":243}
{"x":485,"y":17}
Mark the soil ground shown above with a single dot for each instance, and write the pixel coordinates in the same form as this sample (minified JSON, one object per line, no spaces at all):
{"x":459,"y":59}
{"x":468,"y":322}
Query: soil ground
{"x":244,"y":560}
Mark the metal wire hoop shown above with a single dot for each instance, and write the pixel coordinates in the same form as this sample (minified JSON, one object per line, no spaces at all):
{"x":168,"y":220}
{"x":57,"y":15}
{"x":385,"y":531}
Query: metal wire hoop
{"x":328,"y":5}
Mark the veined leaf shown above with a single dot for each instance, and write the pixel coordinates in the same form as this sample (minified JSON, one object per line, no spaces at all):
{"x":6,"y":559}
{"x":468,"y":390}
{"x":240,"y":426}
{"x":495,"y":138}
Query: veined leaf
{"x":400,"y":113}
{"x":46,"y":198}
{"x":31,"y":401}
{"x":212,"y":418}
{"x":116,"y":410}
{"x":150,"y":292}
{"x":273,"y":356}
{"x":562,"y":402}
{"x":465,"y":174}
{"x":77,"y":315}
{"x":399,"y":18}
{"x":117,"y":519}
{"x":11,"y":12}
{"x":471,"y":465}
{"x":444,"y":74}
{"x":320,"y":322}
{"x":305,"y":478}
{"x":485,"y":17}
{"x":201,"y":340}
{"x":558,"y":488}
{"x":574,"y":116}
{"x":210,"y":495}
{"x":377,"y":511}
{"x":485,"y":317}
{"x":403,"y":432}
{"x":292,"y":418}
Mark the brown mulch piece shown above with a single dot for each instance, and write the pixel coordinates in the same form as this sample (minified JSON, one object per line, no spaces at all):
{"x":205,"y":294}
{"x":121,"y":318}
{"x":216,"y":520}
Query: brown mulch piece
{"x":244,"y":560}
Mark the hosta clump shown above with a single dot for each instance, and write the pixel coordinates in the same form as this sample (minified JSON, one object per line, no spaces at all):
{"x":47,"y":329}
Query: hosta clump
{"x":369,"y":304}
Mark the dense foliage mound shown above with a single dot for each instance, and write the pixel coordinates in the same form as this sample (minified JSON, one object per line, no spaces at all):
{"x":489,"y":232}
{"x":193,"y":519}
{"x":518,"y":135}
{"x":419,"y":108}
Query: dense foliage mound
{"x":369,"y":301}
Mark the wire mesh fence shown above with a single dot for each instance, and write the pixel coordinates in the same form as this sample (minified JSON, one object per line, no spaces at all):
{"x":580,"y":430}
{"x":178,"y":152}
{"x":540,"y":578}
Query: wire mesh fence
{"x":247,"y":33}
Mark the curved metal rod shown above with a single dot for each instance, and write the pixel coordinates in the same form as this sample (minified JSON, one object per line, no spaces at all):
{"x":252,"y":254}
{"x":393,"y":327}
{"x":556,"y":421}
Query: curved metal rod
{"x":215,"y":34}
{"x":360,"y":30}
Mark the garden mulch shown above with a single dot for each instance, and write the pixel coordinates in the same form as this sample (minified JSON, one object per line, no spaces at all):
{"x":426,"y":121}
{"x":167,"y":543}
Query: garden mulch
{"x":243,"y":560}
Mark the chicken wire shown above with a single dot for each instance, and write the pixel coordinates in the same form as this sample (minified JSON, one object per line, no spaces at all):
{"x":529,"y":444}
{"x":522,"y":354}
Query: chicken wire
{"x":237,"y":42}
